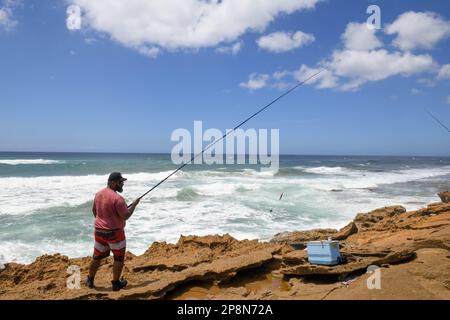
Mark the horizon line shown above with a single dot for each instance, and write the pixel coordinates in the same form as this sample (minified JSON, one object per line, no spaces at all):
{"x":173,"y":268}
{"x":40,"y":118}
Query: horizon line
{"x":246,"y":154}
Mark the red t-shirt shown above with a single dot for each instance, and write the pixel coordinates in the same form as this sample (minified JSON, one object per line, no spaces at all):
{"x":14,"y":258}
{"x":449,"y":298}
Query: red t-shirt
{"x":111,"y":209}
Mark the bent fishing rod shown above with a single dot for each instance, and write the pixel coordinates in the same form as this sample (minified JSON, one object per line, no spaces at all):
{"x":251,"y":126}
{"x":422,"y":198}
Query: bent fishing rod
{"x":234,"y":129}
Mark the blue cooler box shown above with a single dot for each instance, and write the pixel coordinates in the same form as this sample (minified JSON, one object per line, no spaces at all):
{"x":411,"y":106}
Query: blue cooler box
{"x":323,"y":252}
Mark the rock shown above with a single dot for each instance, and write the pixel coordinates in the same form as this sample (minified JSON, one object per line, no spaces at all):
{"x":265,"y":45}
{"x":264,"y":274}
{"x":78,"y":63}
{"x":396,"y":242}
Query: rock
{"x":364,"y":221}
{"x":397,"y":257}
{"x":295,"y":257}
{"x":357,"y":251}
{"x":432,"y":209}
{"x":354,"y":264}
{"x":230,"y":294}
{"x":298,"y":239}
{"x":218,"y":270}
{"x":310,"y":269}
{"x":345,"y":232}
{"x":48,"y":286}
{"x":386,"y":239}
{"x":261,"y":295}
{"x":294,"y":281}
{"x":445,"y":196}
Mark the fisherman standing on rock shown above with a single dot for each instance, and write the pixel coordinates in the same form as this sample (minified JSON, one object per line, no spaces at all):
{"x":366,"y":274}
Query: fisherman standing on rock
{"x":110,"y":212}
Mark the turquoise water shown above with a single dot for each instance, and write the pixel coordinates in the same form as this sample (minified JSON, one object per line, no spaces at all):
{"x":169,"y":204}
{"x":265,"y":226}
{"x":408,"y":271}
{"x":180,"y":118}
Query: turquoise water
{"x":45,"y":206}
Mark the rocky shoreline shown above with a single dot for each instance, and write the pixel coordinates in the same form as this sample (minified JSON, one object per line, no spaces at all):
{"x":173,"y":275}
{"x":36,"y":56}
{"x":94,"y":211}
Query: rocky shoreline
{"x":411,"y":248}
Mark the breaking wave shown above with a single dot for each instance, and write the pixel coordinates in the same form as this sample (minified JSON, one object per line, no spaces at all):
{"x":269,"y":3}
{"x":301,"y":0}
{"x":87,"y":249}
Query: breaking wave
{"x":15,"y":162}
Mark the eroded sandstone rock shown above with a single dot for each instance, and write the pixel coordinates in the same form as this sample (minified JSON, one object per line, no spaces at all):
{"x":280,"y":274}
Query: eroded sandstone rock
{"x":445,"y":196}
{"x":365,"y":221}
{"x":298,"y":239}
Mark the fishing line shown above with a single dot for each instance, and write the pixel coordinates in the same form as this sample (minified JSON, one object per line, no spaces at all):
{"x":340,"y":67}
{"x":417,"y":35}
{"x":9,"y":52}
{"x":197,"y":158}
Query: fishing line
{"x":226,"y":134}
{"x":437,"y":120}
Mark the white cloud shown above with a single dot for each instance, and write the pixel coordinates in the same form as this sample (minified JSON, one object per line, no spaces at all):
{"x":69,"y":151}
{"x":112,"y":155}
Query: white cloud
{"x":418,"y":30}
{"x":279,"y":80}
{"x":427,"y":82}
{"x":182,"y":24}
{"x":284,"y":41}
{"x":324,"y":79}
{"x":283,"y":80}
{"x":360,"y":67}
{"x":448,"y":99}
{"x":358,"y":63}
{"x":151,"y":52}
{"x":233,"y":49}
{"x":416,"y":91}
{"x":90,"y":40}
{"x":282,"y":85}
{"x":12,"y":3}
{"x":444,"y":72}
{"x":256,"y":81}
{"x":358,"y":36}
{"x":348,"y":70}
{"x":7,"y":21}
{"x":281,"y":74}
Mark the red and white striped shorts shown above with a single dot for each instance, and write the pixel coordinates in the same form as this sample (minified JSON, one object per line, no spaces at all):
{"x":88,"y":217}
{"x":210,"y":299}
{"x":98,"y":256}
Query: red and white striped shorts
{"x":110,"y":240}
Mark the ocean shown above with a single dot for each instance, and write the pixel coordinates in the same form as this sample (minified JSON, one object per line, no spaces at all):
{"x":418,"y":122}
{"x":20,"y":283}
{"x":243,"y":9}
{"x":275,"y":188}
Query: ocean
{"x":46,"y":198}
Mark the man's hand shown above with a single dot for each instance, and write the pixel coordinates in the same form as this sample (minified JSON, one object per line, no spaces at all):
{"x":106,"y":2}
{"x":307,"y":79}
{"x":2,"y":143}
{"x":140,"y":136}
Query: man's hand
{"x":136,"y":202}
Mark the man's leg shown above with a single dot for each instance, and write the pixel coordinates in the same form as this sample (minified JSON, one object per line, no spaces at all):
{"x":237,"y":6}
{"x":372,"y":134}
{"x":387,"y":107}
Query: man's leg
{"x":95,"y":264}
{"x":101,"y":250}
{"x":118,"y":247}
{"x":117,"y":270}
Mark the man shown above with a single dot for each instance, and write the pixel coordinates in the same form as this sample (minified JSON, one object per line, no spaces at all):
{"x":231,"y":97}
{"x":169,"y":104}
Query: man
{"x":110,"y":212}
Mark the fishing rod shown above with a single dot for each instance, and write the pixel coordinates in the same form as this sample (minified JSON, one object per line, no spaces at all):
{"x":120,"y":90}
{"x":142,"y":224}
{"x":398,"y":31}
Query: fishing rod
{"x":437,"y":120}
{"x":234,"y":129}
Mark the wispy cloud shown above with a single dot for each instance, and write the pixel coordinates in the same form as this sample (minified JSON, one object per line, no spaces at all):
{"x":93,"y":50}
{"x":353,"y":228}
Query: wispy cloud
{"x":232,"y":49}
{"x":415,"y":91}
{"x":256,"y":81}
{"x":151,"y":52}
{"x":283,"y":41}
{"x":7,"y":19}
{"x":444,"y":72}
{"x":90,"y":40}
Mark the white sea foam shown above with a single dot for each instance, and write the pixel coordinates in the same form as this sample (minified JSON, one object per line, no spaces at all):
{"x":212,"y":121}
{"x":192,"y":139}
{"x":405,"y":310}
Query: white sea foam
{"x":216,"y":189}
{"x":24,"y":195}
{"x":238,"y":203}
{"x":26,"y":252}
{"x":16,"y":162}
{"x":252,"y":172}
{"x":355,"y":179}
{"x":324,"y":170}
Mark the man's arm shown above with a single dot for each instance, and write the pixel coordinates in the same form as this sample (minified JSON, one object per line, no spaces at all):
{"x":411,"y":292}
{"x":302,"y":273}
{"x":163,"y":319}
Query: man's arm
{"x":122,"y":209}
{"x":132,"y":207}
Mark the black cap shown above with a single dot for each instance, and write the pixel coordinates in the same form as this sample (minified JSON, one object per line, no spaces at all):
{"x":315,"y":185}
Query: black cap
{"x":116,"y":176}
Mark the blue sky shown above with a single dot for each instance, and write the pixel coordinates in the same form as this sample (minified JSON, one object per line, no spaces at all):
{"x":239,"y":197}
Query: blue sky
{"x":136,"y":71}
